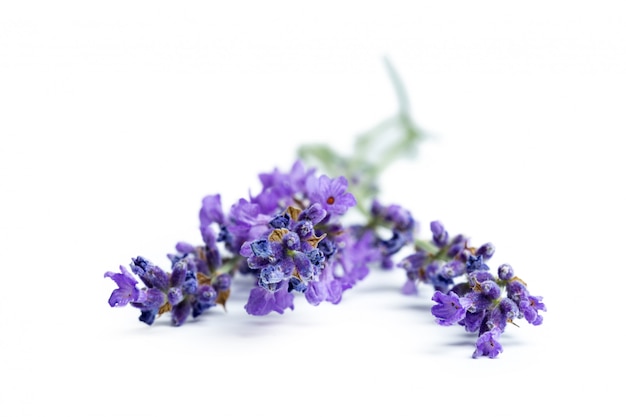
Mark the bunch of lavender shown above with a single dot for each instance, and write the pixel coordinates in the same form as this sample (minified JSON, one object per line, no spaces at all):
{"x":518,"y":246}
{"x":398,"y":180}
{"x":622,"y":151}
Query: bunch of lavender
{"x":293,"y":237}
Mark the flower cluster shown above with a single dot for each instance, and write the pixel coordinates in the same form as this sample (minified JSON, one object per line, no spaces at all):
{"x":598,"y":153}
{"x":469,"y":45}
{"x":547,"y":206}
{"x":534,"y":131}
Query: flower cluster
{"x":293,"y":238}
{"x":289,"y":237}
{"x":466,"y":292}
{"x":184,"y":291}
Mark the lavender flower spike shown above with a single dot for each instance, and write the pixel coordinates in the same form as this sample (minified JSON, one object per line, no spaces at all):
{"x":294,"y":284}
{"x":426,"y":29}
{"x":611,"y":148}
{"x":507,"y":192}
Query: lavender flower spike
{"x":450,"y":309}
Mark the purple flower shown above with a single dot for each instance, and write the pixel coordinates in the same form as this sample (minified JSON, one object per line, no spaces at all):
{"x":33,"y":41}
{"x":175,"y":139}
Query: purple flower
{"x":204,"y":259}
{"x":476,"y":263}
{"x":180,"y":312}
{"x":505,"y":311}
{"x":313,"y":214}
{"x":149,"y":299}
{"x":516,"y":290}
{"x":483,"y":296}
{"x":269,"y":200}
{"x":396,"y":216}
{"x":178,"y":291}
{"x":413,"y":264}
{"x":327,"y":288}
{"x":409,"y":287}
{"x":271,"y":275}
{"x":488,"y":345}
{"x":281,"y":221}
{"x":433,"y":274}
{"x":398,"y":222}
{"x":330,"y":193}
{"x":453,"y":269}
{"x":296,"y":285}
{"x":473,"y":320}
{"x":127,"y":288}
{"x":457,"y":246}
{"x":205,"y":297}
{"x":287,"y":184}
{"x":392,"y":245}
{"x":185,"y":248}
{"x":210,"y":213}
{"x":440,"y":234}
{"x":505,"y":272}
{"x":450,"y":309}
{"x":148,"y":316}
{"x":350,"y":264}
{"x":479,"y":276}
{"x":175,"y":295}
{"x":486,"y":251}
{"x":282,"y":189}
{"x":150,"y":274}
{"x":287,"y":258}
{"x":530,"y":307}
{"x":246,"y":222}
{"x":262,"y":302}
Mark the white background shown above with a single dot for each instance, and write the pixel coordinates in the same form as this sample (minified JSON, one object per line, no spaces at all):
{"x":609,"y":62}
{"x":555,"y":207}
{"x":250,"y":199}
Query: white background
{"x":117,"y":117}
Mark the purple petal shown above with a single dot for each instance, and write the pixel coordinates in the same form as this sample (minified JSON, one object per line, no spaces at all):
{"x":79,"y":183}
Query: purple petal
{"x":303,"y":266}
{"x":283,"y":300}
{"x":181,"y":312}
{"x":316,"y":293}
{"x":206,"y":294}
{"x":315,"y":213}
{"x":127,"y":288}
{"x":334,"y":291}
{"x":184,"y":247}
{"x":488,"y":345}
{"x":211,"y":211}
{"x":262,"y":302}
{"x":179,"y":272}
{"x":449,"y":308}
{"x":149,"y":299}
{"x":175,"y":296}
{"x":409,"y":287}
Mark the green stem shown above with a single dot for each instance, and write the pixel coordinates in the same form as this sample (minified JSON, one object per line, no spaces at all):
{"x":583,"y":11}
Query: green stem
{"x":374,"y":151}
{"x":229,"y":266}
{"x":427,"y":246}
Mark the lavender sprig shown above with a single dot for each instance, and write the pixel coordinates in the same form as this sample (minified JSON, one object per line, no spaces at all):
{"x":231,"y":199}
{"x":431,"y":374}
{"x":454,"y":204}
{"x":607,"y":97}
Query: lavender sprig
{"x":293,"y":239}
{"x":466,"y":292}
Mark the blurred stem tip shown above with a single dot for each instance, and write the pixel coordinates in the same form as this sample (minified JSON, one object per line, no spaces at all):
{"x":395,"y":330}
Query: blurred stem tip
{"x":374,"y":151}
